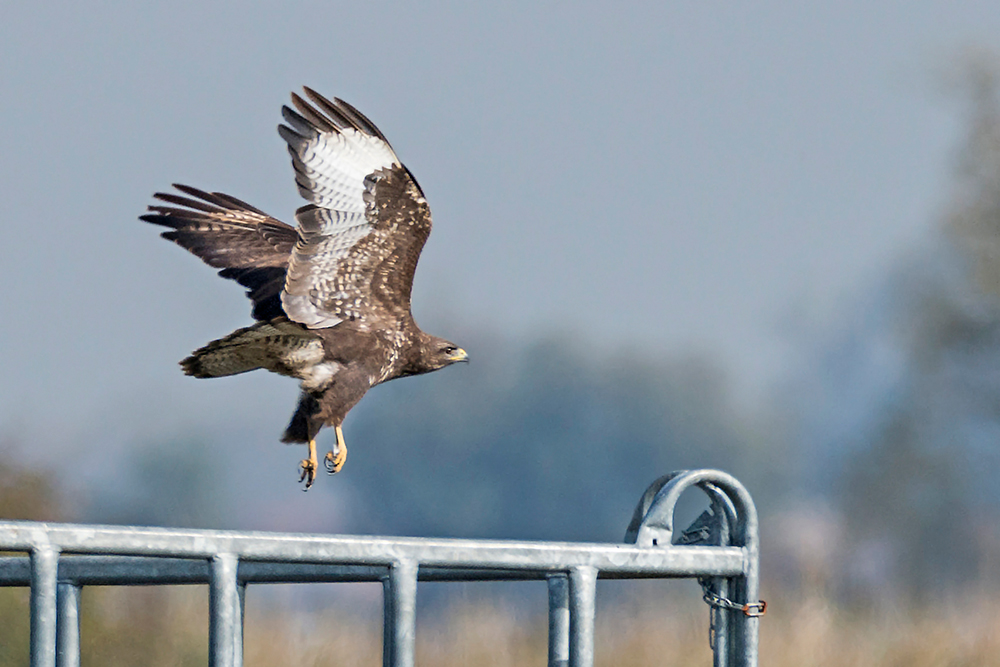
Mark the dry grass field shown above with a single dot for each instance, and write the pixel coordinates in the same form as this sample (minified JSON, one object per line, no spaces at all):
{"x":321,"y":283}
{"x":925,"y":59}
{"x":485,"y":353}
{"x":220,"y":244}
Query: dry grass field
{"x":162,"y":627}
{"x":807,"y":633}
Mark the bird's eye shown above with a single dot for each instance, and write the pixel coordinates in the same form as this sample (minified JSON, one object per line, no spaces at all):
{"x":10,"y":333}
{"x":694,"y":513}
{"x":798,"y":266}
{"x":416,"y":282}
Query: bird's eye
{"x":450,"y":349}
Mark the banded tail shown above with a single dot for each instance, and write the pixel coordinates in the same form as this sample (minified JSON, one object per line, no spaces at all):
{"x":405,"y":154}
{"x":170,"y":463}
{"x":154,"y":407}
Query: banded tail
{"x":279,"y":346}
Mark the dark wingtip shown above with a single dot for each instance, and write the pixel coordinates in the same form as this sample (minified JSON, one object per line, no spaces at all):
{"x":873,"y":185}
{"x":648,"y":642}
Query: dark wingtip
{"x":194,"y":192}
{"x":192,"y":366}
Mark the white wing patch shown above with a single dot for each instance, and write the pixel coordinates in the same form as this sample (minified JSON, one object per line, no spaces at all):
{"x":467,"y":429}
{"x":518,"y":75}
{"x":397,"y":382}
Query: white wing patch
{"x":336,"y":154}
{"x":330,"y":167}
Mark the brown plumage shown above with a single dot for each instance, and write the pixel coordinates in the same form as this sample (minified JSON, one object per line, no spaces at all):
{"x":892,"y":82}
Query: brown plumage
{"x":332,"y":295}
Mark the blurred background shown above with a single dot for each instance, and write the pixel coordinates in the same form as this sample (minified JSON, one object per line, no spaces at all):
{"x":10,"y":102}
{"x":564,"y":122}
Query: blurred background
{"x":762,"y":238}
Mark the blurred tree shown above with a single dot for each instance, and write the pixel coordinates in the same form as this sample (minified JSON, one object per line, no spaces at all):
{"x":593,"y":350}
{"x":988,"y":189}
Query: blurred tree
{"x":975,"y":218}
{"x":150,"y":625}
{"x":26,"y":493}
{"x":916,"y":477}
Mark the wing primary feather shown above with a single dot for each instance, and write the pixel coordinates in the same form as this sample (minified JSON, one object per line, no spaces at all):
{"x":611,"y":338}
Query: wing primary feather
{"x":249,"y":246}
{"x":164,"y":219}
{"x":359,"y":119}
{"x":237,"y":203}
{"x":167,"y":216}
{"x":210,"y":202}
{"x":343,"y":111}
{"x":193,"y":192}
{"x":219,"y":199}
{"x":300,"y":127}
{"x":313,"y":116}
{"x":333,"y":111}
{"x":171,"y":198}
{"x":292,"y":138}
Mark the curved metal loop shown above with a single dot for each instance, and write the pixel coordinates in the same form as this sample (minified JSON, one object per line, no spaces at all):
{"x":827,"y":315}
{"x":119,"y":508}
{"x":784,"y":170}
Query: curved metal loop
{"x":714,"y":526}
{"x":652,"y":521}
{"x":734,"y":516}
{"x":632,"y":532}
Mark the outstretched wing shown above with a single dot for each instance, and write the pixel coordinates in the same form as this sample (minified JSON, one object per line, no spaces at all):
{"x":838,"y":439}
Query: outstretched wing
{"x":249,"y":246}
{"x":361,"y":236}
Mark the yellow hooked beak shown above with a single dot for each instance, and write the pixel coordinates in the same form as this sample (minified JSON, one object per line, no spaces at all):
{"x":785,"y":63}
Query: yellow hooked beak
{"x":459,"y":355}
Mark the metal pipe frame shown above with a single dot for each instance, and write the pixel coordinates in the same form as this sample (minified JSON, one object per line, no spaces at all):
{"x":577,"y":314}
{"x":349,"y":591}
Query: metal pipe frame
{"x":64,"y":557}
{"x":400,"y":636}
{"x":736,"y":640}
{"x":558,"y":620}
{"x":225,"y":626}
{"x":67,"y":625}
{"x":582,"y":611}
{"x":44,"y":612}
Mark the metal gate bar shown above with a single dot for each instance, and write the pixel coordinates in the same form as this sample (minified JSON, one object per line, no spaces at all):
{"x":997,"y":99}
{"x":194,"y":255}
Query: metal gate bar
{"x":582,"y":606}
{"x":401,"y":634}
{"x":67,"y":625}
{"x":225,"y":624}
{"x":44,"y":569}
{"x":152,"y":571}
{"x":558,"y":620}
{"x":720,"y":549}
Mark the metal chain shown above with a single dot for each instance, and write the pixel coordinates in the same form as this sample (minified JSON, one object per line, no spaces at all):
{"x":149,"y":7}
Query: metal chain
{"x":716,"y":601}
{"x":751,"y":609}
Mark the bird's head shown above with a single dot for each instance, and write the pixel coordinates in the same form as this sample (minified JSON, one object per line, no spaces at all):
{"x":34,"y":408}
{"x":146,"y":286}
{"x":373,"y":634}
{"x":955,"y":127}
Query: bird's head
{"x":438,"y":353}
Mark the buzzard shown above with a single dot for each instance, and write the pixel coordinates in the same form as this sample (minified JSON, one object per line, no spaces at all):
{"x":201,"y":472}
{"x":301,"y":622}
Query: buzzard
{"x":331,"y":296}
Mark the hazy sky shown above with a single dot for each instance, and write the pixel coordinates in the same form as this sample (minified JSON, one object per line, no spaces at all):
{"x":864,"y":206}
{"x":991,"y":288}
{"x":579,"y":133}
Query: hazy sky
{"x":671,"y":176}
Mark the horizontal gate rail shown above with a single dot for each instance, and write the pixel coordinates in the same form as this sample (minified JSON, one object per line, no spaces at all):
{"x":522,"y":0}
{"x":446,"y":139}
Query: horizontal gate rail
{"x":466,"y":554}
{"x":139,"y":571}
{"x":720,"y":550}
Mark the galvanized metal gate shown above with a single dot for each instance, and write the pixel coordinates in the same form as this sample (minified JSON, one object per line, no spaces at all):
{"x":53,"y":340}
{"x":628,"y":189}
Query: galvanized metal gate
{"x":720,"y":549}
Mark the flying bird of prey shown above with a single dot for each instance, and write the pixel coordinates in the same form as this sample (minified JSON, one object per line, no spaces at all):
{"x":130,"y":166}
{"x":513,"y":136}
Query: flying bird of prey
{"x":331,"y":295}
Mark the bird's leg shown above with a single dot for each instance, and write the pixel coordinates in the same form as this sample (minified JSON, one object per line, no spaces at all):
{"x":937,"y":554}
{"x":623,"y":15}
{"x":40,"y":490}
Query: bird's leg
{"x":335,"y":459}
{"x":308,"y":466}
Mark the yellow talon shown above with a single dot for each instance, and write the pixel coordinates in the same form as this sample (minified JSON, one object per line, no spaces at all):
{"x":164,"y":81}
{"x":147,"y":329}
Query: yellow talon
{"x":335,"y":460}
{"x":308,"y":466}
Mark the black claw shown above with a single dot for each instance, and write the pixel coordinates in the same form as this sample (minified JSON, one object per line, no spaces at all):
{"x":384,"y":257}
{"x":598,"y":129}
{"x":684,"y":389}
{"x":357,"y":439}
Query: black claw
{"x":305,"y":476}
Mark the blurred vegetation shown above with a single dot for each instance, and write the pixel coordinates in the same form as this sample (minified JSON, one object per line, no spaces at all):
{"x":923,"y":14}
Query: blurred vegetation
{"x":156,"y":626}
{"x":917,"y":488}
{"x":877,"y":485}
{"x":26,"y":493}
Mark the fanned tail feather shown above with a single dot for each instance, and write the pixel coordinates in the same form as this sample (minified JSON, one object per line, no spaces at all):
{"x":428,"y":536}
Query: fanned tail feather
{"x":278,"y":346}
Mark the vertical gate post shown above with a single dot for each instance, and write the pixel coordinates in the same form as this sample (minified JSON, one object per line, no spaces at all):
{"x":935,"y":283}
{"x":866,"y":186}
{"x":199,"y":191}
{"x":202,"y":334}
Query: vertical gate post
{"x":582,"y":604}
{"x":748,"y":586}
{"x":558,"y":620}
{"x":241,"y":590}
{"x":225,"y":626}
{"x":720,"y":628}
{"x":399,"y":606}
{"x":68,"y":625}
{"x":44,"y":573}
{"x":388,"y":622}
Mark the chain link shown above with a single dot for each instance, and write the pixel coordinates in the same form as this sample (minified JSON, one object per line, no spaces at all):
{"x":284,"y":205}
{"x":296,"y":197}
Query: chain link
{"x":751,"y":609}
{"x":716,"y":601}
